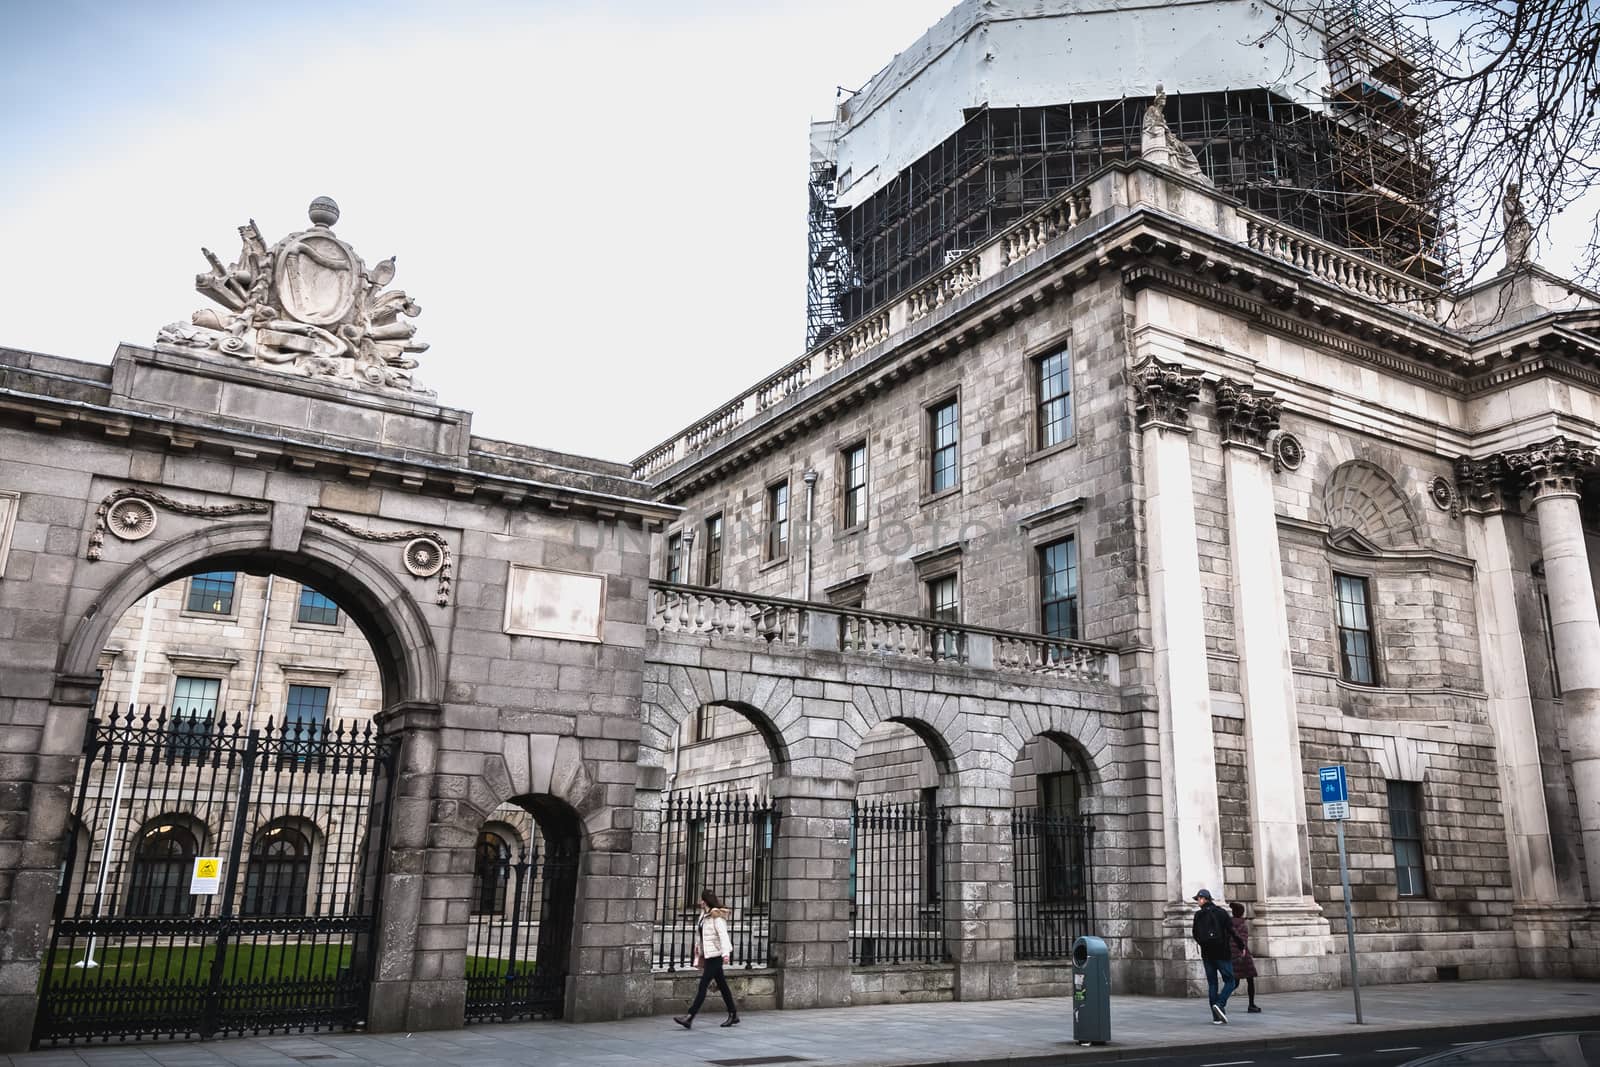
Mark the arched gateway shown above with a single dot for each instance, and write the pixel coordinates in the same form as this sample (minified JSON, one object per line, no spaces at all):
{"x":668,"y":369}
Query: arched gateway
{"x":521,"y":823}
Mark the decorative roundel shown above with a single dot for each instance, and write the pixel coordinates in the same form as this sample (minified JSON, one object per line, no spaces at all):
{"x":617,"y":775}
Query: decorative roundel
{"x":131,"y":519}
{"x":1442,"y":493}
{"x":1288,"y":451}
{"x":424,"y":557}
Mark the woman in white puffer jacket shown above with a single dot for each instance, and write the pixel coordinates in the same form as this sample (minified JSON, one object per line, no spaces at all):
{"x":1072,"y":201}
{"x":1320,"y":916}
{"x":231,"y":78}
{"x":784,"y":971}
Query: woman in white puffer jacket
{"x":712,"y":948}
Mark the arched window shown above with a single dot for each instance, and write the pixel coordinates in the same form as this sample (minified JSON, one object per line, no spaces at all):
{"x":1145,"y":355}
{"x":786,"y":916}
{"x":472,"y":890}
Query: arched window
{"x":162,"y":863}
{"x":279,"y":873}
{"x":490,"y":874}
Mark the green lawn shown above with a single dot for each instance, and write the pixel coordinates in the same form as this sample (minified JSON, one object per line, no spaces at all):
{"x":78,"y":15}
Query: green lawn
{"x":192,"y":965}
{"x":482,"y":966}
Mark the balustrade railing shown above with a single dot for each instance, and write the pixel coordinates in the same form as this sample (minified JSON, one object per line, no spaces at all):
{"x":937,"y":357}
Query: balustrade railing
{"x":676,"y":608}
{"x":709,"y":429}
{"x":942,"y":288}
{"x":1031,"y":234}
{"x":1341,"y":267}
{"x":848,"y":344}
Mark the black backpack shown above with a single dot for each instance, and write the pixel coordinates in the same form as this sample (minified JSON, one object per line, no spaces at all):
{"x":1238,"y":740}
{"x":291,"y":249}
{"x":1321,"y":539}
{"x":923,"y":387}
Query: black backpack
{"x":1212,"y":929}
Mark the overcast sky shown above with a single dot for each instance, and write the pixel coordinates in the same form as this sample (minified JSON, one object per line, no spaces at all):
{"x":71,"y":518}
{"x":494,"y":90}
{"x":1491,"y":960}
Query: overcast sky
{"x":600,"y":206}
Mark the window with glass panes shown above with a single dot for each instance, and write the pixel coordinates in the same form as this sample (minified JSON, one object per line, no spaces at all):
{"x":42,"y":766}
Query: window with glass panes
{"x":1405,"y":827}
{"x":1356,"y":660}
{"x":675,"y":558}
{"x":316,"y":608}
{"x":778,"y":520}
{"x":855,"y":485}
{"x":932,"y":862}
{"x":944,"y":605}
{"x":1054,"y":380}
{"x":944,"y":439}
{"x":303,"y":717}
{"x":194,"y":709}
{"x":212,"y":593}
{"x":1058,"y":589}
{"x":713,"y":575}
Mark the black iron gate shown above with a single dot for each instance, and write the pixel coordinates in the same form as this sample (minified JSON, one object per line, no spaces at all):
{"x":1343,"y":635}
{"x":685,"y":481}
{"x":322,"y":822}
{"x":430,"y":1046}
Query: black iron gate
{"x":1053,"y":881}
{"x":220,"y":879}
{"x":519,"y":946}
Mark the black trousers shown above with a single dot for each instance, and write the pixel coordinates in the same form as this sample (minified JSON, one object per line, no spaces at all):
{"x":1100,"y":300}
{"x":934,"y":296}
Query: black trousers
{"x":712,"y":972}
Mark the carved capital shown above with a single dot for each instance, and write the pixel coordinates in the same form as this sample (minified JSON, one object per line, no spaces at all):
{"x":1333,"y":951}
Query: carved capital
{"x":1485,"y":485}
{"x":1165,"y":393}
{"x":1246,"y":416}
{"x":1556,"y":467}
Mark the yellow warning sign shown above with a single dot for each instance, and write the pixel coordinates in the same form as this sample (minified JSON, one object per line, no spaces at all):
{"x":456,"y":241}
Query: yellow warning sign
{"x":206,"y":879}
{"x":206,"y":868}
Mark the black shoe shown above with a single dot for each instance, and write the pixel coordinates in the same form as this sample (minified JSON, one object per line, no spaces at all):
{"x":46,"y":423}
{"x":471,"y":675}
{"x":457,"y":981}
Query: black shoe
{"x":684,"y":1021}
{"x":1221,"y":1014}
{"x":732,"y":1020}
{"x":1217,"y":1016}
{"x":1253,"y":1010}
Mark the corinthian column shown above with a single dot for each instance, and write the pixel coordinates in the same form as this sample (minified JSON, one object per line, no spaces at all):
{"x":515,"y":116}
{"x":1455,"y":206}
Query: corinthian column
{"x":1183,"y":689}
{"x":1285,"y":905}
{"x":1553,"y":472}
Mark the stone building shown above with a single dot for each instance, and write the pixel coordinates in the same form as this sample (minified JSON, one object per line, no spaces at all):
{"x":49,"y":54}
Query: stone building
{"x":1027,"y":602}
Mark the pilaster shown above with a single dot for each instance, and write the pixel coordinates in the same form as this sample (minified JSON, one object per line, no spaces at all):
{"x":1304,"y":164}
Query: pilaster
{"x":980,"y":907}
{"x":810,"y":914}
{"x":1164,"y":394}
{"x":1286,"y":920}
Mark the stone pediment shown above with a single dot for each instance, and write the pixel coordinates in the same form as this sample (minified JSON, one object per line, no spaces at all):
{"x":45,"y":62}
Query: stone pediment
{"x":308,"y":306}
{"x":1344,"y":539}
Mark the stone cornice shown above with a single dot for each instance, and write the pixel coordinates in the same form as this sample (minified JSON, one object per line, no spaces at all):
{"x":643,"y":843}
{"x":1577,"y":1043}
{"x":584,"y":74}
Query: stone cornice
{"x":245,"y":448}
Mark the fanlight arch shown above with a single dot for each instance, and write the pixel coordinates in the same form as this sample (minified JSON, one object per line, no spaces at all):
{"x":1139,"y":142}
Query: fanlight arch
{"x":1364,"y":499}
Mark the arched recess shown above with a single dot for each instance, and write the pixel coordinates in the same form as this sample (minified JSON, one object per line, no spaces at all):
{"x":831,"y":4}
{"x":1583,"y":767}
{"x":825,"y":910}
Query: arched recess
{"x":159,"y":866}
{"x":1079,"y":732}
{"x":281,"y":866}
{"x":1360,"y":497}
{"x":675,"y":699}
{"x":386,"y":611}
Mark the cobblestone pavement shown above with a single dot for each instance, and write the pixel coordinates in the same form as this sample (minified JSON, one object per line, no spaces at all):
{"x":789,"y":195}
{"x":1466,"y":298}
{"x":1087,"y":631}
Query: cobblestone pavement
{"x":1014,"y":1032}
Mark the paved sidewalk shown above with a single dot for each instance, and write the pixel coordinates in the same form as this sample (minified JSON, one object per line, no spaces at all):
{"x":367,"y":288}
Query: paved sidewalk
{"x":1012,"y":1032}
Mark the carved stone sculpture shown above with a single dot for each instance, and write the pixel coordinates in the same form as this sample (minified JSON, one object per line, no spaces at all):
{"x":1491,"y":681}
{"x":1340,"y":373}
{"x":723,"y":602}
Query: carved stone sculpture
{"x":1246,"y":416}
{"x":1161,"y":146}
{"x":307,"y":305}
{"x":1164,"y":393}
{"x":1518,"y":230}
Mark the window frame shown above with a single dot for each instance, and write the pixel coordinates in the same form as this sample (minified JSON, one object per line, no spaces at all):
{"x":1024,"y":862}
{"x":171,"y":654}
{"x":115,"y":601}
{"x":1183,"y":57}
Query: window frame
{"x":1369,"y":631}
{"x":672,"y":564}
{"x":1075,"y":572}
{"x":711,"y":572}
{"x":1407,"y":874}
{"x":945,"y":645}
{"x":705,"y":723}
{"x":854,"y":498}
{"x":930,"y":422}
{"x":300,"y":608}
{"x":193,"y":739}
{"x":232,"y":610}
{"x":1037,"y":379}
{"x":771,"y":525}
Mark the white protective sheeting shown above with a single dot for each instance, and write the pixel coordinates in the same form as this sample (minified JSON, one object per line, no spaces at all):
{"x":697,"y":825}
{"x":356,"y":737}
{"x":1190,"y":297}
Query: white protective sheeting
{"x":1060,"y":52}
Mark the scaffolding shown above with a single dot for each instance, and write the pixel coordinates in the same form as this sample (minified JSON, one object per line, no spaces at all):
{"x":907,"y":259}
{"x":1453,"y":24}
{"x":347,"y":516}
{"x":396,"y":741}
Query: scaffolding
{"x":1356,"y":172}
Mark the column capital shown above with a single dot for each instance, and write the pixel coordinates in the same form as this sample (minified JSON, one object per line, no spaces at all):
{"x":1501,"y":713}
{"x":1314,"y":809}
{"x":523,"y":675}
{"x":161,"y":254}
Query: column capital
{"x":1486,"y":485}
{"x":1165,"y":392}
{"x":1555,"y":467}
{"x":1246,"y":416}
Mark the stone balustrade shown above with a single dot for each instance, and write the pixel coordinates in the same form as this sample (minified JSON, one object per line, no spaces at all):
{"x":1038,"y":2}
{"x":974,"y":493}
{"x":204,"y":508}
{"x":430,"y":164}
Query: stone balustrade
{"x":848,"y":344}
{"x":676,"y":608}
{"x":942,"y":288}
{"x":1032,"y":233}
{"x":714,"y":426}
{"x":791,"y":379}
{"x":1341,"y":267}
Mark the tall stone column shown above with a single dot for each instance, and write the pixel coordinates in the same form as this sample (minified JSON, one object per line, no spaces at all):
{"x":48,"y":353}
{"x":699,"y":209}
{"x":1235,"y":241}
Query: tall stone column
{"x":980,"y":907}
{"x":1183,"y":689}
{"x":810,"y":934}
{"x":1287,"y":921}
{"x":1554,"y":473}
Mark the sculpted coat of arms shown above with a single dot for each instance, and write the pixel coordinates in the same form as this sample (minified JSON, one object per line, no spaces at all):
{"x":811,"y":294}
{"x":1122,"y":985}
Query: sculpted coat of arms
{"x":307,"y":305}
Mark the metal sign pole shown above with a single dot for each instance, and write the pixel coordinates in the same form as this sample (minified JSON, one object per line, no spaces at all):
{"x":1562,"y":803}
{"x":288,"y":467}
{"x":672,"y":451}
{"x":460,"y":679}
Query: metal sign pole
{"x":1349,"y":921}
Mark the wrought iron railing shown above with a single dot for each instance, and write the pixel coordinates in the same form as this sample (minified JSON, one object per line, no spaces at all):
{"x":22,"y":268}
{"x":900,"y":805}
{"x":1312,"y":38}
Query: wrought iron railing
{"x":1052,"y":881}
{"x":724,"y":842}
{"x":898,"y":877}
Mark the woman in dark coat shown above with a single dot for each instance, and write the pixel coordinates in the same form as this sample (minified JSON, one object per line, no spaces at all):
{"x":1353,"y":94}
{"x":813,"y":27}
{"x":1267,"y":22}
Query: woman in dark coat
{"x":1244,"y":964}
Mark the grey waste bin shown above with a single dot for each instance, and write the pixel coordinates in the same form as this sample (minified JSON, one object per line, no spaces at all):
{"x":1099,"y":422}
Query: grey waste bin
{"x":1091,"y":992}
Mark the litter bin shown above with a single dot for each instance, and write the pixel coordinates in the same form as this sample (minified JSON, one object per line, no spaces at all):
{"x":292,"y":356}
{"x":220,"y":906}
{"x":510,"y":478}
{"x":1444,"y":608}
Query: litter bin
{"x":1091,"y":992}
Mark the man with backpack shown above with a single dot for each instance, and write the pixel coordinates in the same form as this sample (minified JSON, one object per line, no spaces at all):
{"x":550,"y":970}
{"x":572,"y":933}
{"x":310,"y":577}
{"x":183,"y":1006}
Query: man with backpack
{"x":1213,"y":932}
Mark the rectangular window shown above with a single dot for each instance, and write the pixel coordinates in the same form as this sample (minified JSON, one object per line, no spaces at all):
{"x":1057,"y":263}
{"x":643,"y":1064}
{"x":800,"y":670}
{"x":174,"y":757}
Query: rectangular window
{"x":194,"y":713}
{"x":316,"y":608}
{"x":932,"y":882}
{"x":705,"y":718}
{"x":761,"y":876}
{"x":944,"y":605}
{"x":854,"y":463}
{"x":1061,"y":857}
{"x":713,"y":575}
{"x":1356,"y":659}
{"x":212,"y":593}
{"x":1058,"y":589}
{"x":944,"y":438}
{"x":694,"y":863}
{"x":1405,"y":827}
{"x":675,"y":557}
{"x":303,"y":719}
{"x":778,"y":521}
{"x":1054,"y":382}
